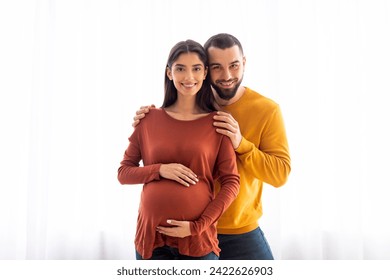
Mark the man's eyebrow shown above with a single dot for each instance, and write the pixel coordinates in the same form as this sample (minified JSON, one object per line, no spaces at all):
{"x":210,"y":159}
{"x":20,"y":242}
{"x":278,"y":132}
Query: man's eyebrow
{"x":215,"y":63}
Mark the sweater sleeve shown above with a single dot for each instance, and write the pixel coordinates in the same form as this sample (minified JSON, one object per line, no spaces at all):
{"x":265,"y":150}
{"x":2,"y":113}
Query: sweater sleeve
{"x":226,"y":172}
{"x":270,"y":162}
{"x":130,"y":171}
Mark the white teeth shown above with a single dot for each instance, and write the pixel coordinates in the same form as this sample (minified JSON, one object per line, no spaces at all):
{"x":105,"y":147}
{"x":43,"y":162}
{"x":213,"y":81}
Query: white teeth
{"x":189,"y":85}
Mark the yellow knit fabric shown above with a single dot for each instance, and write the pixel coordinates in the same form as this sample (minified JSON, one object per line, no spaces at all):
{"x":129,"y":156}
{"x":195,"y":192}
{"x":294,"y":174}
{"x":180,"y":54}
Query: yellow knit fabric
{"x":262,"y":157}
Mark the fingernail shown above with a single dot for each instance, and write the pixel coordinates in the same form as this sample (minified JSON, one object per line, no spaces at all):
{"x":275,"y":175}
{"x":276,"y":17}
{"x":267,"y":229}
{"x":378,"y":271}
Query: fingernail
{"x":169,"y":221}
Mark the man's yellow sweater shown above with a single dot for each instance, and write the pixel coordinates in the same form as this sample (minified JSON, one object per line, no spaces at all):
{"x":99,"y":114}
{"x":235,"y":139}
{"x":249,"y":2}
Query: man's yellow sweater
{"x":262,"y":156}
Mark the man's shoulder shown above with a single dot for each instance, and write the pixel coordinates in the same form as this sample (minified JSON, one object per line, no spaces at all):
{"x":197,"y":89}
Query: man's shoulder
{"x":258,"y":99}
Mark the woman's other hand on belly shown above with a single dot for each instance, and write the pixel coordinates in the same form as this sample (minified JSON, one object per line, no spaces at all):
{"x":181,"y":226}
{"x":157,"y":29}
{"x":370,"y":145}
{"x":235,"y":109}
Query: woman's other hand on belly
{"x":180,"y":229}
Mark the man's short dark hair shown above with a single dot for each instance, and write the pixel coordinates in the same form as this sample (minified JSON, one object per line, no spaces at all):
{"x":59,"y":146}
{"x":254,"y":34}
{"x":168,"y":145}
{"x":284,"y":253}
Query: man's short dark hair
{"x":223,"y":41}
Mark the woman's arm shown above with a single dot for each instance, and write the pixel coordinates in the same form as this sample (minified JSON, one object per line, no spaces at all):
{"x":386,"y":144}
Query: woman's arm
{"x":129,"y":171}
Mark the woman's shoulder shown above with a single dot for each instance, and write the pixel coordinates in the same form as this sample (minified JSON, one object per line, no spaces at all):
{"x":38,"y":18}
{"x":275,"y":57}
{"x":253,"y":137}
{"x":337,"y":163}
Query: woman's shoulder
{"x":155,"y":110}
{"x":149,"y":119}
{"x":154,"y":113}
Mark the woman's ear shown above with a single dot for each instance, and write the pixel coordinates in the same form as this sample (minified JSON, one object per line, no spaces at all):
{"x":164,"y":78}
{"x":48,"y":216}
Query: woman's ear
{"x":169,"y":73}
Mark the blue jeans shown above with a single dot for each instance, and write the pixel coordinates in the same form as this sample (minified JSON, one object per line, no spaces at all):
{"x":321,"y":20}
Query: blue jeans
{"x":247,"y":246}
{"x":171,"y":253}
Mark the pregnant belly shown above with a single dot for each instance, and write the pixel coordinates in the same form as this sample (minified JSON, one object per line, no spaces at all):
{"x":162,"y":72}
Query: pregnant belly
{"x":166,"y":199}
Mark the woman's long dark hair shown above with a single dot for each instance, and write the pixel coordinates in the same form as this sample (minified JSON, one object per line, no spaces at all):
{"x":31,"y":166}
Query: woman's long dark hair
{"x":204,"y":97}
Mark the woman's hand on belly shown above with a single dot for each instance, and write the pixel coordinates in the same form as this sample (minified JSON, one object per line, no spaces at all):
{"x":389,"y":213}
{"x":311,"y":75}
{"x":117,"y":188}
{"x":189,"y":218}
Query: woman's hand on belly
{"x":178,"y":173}
{"x":181,"y":229}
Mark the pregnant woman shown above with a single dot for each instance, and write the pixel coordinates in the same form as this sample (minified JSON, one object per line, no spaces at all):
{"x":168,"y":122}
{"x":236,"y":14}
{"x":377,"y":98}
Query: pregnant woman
{"x":182,"y":154}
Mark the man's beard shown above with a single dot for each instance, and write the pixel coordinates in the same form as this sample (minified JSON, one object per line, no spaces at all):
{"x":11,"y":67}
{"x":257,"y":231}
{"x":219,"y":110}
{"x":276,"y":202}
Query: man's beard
{"x":227,"y":94}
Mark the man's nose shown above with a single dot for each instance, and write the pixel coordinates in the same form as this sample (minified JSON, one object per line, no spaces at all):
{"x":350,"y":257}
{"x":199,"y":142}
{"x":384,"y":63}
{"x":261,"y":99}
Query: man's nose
{"x":226,"y":75}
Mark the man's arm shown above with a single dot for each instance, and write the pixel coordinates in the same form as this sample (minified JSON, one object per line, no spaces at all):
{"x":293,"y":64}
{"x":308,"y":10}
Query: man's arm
{"x":270,"y":162}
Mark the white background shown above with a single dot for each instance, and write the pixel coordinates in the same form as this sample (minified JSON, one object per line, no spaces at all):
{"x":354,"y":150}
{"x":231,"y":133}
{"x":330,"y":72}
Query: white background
{"x":73,"y":73}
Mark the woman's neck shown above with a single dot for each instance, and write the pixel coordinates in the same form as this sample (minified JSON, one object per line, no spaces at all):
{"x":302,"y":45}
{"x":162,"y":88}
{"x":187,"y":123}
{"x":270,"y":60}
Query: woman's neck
{"x":185,"y":109}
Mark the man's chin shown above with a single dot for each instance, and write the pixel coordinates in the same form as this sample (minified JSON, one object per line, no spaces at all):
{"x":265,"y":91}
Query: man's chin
{"x":225,"y":94}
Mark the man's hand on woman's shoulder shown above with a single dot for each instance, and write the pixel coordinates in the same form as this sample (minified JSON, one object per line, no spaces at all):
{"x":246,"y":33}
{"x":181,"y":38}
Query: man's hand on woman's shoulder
{"x":141,"y":113}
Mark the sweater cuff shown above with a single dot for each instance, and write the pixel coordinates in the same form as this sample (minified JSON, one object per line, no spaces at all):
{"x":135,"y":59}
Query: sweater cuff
{"x":192,"y":229}
{"x":244,"y":147}
{"x":197,"y":227}
{"x":155,"y":172}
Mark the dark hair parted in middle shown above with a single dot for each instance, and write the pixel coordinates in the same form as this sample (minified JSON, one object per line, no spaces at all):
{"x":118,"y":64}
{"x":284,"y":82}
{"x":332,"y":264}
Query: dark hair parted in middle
{"x":204,"y":97}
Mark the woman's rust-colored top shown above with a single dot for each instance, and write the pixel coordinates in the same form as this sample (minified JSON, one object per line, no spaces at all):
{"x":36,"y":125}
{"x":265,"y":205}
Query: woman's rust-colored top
{"x":161,"y":139}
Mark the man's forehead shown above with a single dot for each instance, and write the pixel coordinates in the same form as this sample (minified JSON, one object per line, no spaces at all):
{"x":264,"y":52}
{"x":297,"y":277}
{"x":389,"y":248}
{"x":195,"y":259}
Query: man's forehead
{"x":229,"y":55}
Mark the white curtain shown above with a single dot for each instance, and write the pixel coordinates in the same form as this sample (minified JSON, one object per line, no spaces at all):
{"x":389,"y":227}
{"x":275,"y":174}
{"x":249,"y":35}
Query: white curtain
{"x":73,"y":73}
